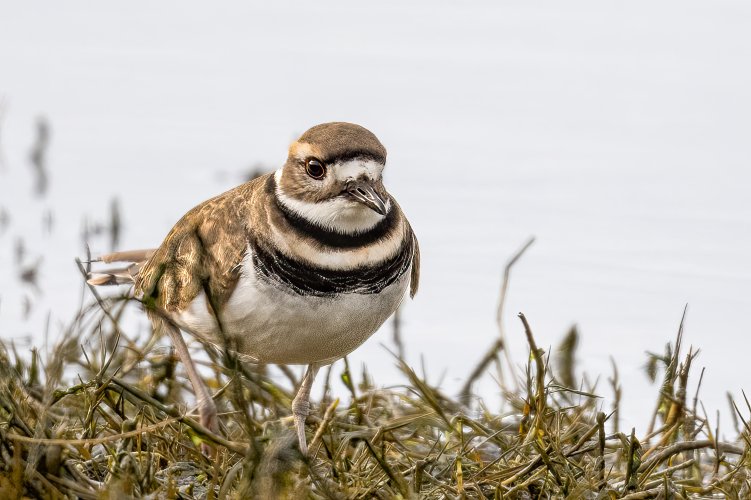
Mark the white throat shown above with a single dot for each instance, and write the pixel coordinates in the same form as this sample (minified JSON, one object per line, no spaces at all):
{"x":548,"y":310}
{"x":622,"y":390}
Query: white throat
{"x":339,"y":214}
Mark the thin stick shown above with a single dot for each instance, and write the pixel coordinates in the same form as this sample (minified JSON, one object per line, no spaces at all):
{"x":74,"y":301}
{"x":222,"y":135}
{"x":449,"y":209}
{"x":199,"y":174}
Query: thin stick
{"x":174,"y":412}
{"x":500,"y":342}
{"x":327,"y":417}
{"x":92,"y":441}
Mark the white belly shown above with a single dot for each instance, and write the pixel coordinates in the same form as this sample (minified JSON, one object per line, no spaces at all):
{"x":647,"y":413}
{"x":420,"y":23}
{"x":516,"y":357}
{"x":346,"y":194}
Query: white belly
{"x":273,"y":325}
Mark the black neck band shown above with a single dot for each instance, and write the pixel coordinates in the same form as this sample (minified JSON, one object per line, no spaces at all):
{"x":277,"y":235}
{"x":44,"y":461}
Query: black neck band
{"x":329,"y":237}
{"x":304,"y":279}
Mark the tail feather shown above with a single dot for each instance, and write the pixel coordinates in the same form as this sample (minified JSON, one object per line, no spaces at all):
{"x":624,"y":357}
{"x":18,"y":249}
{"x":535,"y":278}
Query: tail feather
{"x":122,"y":275}
{"x":98,"y":279}
{"x":136,"y":256}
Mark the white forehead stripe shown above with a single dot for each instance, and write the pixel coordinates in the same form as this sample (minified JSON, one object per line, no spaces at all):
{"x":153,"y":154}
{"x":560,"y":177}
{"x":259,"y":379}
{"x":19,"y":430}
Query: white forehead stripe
{"x":338,"y":214}
{"x":353,"y":169}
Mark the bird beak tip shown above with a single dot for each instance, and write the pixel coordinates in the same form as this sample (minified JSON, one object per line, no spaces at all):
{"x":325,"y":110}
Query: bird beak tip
{"x":365,"y":194}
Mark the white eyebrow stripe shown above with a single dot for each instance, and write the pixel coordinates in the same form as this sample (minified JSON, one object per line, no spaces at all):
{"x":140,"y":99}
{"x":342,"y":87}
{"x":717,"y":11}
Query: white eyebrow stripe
{"x":353,"y":169}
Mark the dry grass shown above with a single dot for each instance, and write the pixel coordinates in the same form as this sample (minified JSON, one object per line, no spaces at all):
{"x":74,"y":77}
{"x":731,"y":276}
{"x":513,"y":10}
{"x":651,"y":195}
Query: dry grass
{"x":108,"y":420}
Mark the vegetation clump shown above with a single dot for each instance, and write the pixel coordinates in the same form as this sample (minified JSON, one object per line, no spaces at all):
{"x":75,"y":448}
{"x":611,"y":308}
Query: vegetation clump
{"x":104,"y":416}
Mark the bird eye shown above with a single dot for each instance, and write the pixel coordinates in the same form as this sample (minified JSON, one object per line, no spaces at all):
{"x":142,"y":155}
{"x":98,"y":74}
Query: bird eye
{"x":315,"y":168}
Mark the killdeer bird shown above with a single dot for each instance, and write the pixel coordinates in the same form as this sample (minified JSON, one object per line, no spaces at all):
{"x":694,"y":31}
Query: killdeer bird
{"x":299,"y":266}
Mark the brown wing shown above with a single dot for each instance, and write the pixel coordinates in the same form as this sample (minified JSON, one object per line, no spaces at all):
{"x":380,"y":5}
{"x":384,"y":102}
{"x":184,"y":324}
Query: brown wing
{"x":203,"y":252}
{"x":414,"y":282}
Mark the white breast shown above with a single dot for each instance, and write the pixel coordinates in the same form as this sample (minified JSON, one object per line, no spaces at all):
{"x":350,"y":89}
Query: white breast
{"x":274,"y":325}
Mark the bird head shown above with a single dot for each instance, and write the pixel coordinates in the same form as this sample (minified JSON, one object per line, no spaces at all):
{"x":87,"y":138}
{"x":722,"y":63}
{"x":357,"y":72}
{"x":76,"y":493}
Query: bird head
{"x":333,"y":178}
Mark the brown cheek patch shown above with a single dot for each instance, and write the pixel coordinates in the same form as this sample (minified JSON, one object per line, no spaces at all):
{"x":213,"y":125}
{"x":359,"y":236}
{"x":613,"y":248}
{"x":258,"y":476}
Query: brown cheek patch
{"x":295,"y":181}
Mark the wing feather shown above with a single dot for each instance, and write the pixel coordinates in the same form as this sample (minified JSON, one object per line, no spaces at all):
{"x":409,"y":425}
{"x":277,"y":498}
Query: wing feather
{"x":201,"y":253}
{"x":414,"y":282}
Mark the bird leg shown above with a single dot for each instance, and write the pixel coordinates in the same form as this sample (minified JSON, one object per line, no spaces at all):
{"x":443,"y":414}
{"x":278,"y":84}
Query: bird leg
{"x":301,"y":405}
{"x":206,"y":405}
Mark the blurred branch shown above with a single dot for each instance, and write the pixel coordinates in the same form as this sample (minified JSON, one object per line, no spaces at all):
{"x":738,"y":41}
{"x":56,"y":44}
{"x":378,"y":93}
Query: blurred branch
{"x":3,"y":113}
{"x":38,"y":156}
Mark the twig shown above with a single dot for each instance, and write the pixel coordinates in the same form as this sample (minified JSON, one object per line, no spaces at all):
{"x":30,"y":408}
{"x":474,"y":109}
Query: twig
{"x":92,"y":441}
{"x":499,"y":343}
{"x":327,"y":417}
{"x":173,"y":412}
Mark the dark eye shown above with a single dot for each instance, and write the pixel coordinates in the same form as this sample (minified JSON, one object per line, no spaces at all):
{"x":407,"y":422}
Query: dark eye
{"x":315,"y":168}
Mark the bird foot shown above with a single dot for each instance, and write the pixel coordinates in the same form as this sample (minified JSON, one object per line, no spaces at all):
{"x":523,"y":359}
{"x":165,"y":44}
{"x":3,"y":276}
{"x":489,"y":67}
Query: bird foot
{"x":300,"y":411}
{"x":301,"y":406}
{"x":209,"y":419}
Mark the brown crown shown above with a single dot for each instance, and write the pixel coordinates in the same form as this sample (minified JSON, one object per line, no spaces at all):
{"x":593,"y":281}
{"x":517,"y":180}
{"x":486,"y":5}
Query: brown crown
{"x":342,"y":141}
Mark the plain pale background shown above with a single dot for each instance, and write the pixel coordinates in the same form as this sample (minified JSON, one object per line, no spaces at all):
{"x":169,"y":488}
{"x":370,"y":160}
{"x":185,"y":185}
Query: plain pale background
{"x":616,"y":133}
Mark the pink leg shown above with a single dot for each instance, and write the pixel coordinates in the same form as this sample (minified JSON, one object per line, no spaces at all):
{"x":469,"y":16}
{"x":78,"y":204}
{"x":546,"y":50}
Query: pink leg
{"x":206,"y":406}
{"x":301,"y":405}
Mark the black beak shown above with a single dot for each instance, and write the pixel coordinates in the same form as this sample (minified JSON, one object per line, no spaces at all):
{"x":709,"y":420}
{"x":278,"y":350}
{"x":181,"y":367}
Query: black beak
{"x":363,"y":192}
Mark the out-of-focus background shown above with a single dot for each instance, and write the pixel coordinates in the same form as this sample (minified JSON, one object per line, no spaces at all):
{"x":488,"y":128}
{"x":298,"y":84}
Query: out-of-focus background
{"x":617,"y":134}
